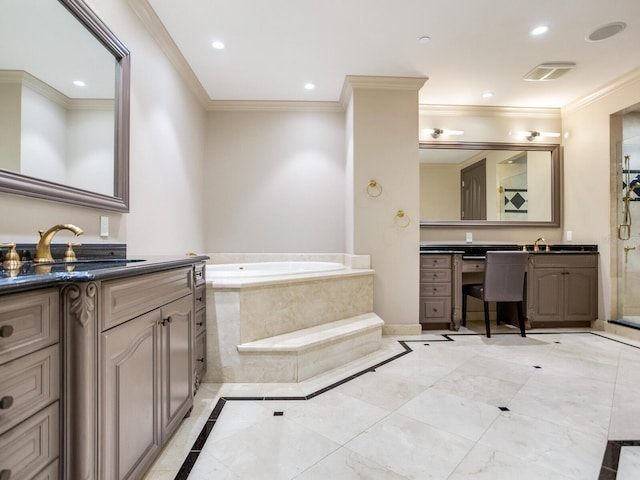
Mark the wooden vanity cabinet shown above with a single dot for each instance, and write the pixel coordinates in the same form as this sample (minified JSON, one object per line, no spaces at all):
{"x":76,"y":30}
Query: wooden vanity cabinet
{"x":30,"y":385}
{"x":146,"y":371}
{"x":562,"y":290}
{"x":435,"y":291}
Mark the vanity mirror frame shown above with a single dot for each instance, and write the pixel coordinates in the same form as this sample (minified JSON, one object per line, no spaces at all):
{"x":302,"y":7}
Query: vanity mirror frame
{"x":18,"y":184}
{"x":556,"y":172}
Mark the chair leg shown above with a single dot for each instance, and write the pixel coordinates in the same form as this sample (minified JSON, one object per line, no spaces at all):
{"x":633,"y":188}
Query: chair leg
{"x":521,"y":319}
{"x":464,"y":310}
{"x":486,"y":319}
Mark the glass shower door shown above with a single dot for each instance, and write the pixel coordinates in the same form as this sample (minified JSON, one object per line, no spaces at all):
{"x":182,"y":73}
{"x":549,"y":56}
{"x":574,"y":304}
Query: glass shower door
{"x":628,"y":242}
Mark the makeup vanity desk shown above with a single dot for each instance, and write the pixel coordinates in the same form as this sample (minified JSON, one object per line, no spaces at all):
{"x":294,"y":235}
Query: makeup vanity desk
{"x":561,"y":285}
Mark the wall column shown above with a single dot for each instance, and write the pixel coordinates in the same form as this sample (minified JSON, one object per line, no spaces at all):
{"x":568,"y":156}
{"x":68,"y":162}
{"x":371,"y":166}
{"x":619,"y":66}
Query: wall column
{"x":382,"y":145}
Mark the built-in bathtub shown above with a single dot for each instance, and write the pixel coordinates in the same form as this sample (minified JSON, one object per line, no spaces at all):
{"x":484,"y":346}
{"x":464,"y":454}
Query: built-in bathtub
{"x":252,"y":303}
{"x":236,"y":271}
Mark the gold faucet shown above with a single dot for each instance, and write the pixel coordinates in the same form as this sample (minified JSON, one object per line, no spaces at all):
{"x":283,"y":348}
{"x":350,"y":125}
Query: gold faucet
{"x":43,"y":249}
{"x":536,"y":247}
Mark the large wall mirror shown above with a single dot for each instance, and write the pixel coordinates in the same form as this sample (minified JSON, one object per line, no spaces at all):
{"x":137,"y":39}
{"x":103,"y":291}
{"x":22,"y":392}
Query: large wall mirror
{"x":64,"y":105}
{"x":489,"y":184}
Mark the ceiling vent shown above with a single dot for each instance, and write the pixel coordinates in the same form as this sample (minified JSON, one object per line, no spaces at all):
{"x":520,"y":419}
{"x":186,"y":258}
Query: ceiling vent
{"x":549,"y":71}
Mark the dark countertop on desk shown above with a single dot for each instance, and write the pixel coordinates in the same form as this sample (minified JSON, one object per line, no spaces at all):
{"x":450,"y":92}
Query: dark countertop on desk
{"x":479,"y":250}
{"x":28,"y":278}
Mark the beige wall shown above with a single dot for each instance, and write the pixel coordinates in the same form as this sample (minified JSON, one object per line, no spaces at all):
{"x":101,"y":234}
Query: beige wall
{"x":167,"y":145}
{"x":275,"y":182}
{"x":437,"y":182}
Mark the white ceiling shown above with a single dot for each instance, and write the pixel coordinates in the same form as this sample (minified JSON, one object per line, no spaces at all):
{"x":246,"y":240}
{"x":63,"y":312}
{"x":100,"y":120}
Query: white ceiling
{"x":274,"y":47}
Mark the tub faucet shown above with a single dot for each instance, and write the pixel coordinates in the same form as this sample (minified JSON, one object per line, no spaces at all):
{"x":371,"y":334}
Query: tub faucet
{"x":536,"y":247}
{"x":43,"y":249}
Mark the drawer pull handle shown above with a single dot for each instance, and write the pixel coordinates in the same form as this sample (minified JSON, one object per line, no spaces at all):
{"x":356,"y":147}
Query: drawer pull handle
{"x":198,"y":299}
{"x":5,"y":403}
{"x":199,"y":324}
{"x":200,"y":360}
{"x":165,"y":321}
{"x":5,"y":332}
{"x":5,"y":474}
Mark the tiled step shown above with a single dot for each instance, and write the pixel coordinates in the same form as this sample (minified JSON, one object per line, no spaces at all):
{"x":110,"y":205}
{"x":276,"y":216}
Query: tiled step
{"x":296,"y":356}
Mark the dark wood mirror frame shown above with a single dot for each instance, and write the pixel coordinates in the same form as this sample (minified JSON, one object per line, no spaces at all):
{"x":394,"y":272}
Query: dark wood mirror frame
{"x":556,"y":172}
{"x":18,"y":184}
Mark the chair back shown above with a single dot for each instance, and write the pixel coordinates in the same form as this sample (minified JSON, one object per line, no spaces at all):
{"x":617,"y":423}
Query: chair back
{"x":504,"y":273}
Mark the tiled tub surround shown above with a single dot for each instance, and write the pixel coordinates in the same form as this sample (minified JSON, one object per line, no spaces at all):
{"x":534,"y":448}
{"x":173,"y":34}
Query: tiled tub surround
{"x":287,"y":328}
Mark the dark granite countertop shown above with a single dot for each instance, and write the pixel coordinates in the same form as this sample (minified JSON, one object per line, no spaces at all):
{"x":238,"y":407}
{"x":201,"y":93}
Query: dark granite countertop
{"x":31,"y":276}
{"x":479,"y":250}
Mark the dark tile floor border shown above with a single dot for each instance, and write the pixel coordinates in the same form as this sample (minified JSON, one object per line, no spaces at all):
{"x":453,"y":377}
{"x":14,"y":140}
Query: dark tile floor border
{"x":610,"y":460}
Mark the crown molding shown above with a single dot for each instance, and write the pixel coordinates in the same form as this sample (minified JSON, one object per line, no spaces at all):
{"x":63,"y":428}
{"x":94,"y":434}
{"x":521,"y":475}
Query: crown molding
{"x":488,"y":111}
{"x":25,"y":79}
{"x":273,"y":106}
{"x":156,"y":28}
{"x":352,"y":82}
{"x":610,"y":88}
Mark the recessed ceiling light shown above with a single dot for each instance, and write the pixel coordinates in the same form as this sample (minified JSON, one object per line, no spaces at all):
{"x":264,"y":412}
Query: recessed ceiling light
{"x":309,"y":86}
{"x":488,"y":94}
{"x":606,"y":31}
{"x":424,"y":40}
{"x":540,"y":30}
{"x":218,"y":45}
{"x":79,"y":83}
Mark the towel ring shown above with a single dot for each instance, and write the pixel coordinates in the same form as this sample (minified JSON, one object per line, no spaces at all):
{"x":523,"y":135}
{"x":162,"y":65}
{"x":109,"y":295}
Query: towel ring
{"x":374,"y":189}
{"x":402,"y":219}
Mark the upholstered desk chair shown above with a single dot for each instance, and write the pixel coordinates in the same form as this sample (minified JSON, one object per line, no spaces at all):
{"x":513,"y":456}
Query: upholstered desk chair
{"x":503,"y":281}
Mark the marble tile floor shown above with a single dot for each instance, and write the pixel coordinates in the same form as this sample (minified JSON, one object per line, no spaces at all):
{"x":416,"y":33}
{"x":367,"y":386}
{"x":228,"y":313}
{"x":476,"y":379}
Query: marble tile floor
{"x":558,"y":404}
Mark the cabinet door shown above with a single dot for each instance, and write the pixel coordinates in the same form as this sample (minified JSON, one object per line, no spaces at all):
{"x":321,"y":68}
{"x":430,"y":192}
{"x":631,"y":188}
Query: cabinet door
{"x":580,"y":294}
{"x":176,"y":368}
{"x":546,"y":294}
{"x":129,"y":413}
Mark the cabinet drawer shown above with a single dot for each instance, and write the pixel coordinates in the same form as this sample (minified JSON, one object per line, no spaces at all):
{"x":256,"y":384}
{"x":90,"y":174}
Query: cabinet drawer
{"x":200,"y":297}
{"x":435,"y":309}
{"x":28,"y":322}
{"x":29,"y":383}
{"x":435,"y":290}
{"x":199,"y":273}
{"x":131,"y":297}
{"x":32,"y":445}
{"x":435,"y":261}
{"x":433,"y":275}
{"x":562,"y":261}
{"x":201,"y":356}
{"x":472,"y":266}
{"x":201,"y":321}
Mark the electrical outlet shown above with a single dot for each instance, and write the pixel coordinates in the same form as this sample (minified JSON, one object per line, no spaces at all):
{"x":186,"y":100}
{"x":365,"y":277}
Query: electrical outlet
{"x":569,"y":235}
{"x":469,"y":237}
{"x":104,"y":226}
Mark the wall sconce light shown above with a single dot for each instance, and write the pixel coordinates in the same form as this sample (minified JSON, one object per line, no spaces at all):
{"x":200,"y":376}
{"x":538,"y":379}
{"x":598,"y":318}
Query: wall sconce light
{"x":436,"y":132}
{"x":533,"y":134}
